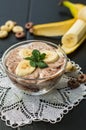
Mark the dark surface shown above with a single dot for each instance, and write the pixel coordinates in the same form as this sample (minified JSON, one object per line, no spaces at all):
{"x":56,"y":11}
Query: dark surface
{"x":44,"y":11}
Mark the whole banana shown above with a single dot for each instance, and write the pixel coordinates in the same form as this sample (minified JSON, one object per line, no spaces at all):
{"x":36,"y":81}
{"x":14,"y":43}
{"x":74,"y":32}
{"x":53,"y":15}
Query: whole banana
{"x":72,"y":38}
{"x":75,"y":36}
{"x":58,"y":28}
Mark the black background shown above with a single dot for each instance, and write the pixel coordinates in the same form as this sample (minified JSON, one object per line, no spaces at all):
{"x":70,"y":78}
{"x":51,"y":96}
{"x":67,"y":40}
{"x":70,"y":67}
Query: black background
{"x":44,"y":11}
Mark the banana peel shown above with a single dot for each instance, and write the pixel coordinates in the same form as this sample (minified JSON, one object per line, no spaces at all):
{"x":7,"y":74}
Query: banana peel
{"x":73,"y":7}
{"x":60,"y":28}
{"x":52,"y":29}
{"x":72,"y":49}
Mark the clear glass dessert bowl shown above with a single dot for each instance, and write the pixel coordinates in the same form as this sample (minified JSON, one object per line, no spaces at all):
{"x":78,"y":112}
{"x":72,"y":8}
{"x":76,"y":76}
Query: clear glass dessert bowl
{"x":34,"y":80}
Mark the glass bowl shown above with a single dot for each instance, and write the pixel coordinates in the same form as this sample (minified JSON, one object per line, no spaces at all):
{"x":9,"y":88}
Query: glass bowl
{"x":36,"y":85}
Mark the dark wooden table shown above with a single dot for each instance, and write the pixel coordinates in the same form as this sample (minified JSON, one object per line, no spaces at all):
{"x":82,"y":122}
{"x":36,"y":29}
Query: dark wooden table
{"x":43,"y":11}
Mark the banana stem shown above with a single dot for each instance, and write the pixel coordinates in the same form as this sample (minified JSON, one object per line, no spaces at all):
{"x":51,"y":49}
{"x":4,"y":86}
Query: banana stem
{"x":71,"y":7}
{"x":61,"y":2}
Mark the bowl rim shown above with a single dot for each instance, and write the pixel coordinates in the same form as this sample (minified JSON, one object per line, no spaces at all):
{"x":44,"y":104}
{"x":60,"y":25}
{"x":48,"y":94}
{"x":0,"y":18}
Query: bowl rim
{"x":15,"y":45}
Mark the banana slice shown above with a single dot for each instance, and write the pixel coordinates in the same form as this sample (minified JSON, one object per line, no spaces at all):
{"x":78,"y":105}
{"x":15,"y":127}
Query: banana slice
{"x":17,"y":29}
{"x":25,"y":52}
{"x":69,"y":66}
{"x":24,"y":68}
{"x":51,"y":56}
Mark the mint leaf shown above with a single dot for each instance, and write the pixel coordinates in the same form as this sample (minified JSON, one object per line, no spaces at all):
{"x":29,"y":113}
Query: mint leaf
{"x":33,"y":64}
{"x":36,"y":53}
{"x":42,"y":56}
{"x":42,"y":64}
{"x":28,"y":58}
{"x":36,"y":60}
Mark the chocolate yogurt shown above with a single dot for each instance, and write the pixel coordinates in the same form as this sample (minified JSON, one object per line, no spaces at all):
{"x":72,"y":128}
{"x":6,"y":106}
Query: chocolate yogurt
{"x":38,"y":80}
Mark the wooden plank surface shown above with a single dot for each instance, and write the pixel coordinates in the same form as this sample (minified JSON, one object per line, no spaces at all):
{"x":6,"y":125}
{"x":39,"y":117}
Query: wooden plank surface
{"x":47,"y":11}
{"x":43,"y":11}
{"x":74,"y":120}
{"x":4,"y":127}
{"x":18,"y":11}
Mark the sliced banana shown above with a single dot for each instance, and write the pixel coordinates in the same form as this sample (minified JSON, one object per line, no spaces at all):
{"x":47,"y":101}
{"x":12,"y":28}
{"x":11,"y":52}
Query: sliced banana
{"x":3,"y":34}
{"x":51,"y":56}
{"x":69,"y":66}
{"x":25,"y":52}
{"x":4,"y":28}
{"x":17,"y":29}
{"x":10,"y":24}
{"x":24,"y":68}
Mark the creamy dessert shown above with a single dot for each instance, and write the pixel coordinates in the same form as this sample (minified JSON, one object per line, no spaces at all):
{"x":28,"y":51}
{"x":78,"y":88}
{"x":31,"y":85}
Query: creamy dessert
{"x":35,"y":66}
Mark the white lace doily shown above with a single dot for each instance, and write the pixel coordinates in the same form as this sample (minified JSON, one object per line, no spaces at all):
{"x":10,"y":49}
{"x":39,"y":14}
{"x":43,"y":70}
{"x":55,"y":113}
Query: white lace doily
{"x":18,"y":108}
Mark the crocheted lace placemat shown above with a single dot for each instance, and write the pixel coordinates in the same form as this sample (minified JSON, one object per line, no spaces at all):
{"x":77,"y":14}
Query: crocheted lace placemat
{"x":18,"y":108}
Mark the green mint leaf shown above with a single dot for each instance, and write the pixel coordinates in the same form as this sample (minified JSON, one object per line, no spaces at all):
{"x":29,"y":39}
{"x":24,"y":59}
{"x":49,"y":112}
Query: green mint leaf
{"x":36,"y":60}
{"x":33,"y":64}
{"x":30,"y":58}
{"x":42,"y":56}
{"x":42,"y":64}
{"x":36,"y":53}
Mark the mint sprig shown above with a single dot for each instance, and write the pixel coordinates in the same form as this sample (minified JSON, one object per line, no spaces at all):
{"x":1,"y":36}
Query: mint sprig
{"x":37,"y":59}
